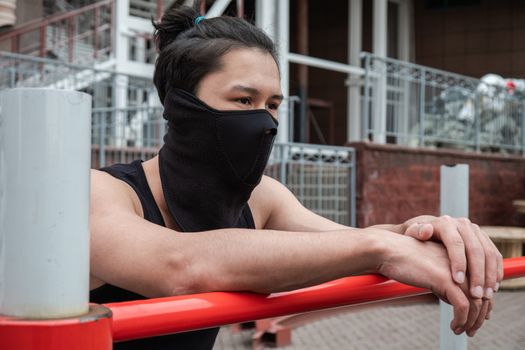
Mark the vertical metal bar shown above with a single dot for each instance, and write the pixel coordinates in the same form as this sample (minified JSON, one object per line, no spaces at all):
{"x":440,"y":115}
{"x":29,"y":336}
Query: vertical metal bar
{"x":422,"y":86}
{"x":523,"y":128}
{"x":102,"y":141}
{"x":477,"y":122}
{"x":112,"y":23}
{"x":366,"y":107}
{"x":282,"y":163}
{"x":42,"y":37}
{"x":95,"y":32}
{"x":160,"y":8}
{"x":240,"y":8}
{"x":70,"y":38}
{"x":454,"y":202}
{"x":319,"y":181}
{"x":352,"y":189}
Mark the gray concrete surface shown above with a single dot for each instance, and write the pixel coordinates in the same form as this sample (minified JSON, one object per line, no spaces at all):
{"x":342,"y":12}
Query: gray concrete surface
{"x":398,"y":327}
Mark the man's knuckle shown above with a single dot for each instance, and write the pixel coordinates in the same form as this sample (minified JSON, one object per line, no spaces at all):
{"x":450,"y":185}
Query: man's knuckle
{"x":463,"y":306}
{"x":457,"y":242}
{"x":464,"y":221}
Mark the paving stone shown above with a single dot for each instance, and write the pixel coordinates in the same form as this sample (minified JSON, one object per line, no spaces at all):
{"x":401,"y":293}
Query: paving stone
{"x":398,"y":328}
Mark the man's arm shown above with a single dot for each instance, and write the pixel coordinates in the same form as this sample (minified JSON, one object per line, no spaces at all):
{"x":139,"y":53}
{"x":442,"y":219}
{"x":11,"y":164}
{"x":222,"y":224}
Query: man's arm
{"x":134,"y":254}
{"x":467,"y":246}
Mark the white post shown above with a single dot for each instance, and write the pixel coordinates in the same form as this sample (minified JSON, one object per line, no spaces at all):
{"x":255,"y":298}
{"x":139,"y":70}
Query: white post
{"x":403,"y":35}
{"x":454,"y":202}
{"x":353,"y":132}
{"x":379,"y":48}
{"x":45,"y":146}
{"x":265,"y":17}
{"x":284,"y":48}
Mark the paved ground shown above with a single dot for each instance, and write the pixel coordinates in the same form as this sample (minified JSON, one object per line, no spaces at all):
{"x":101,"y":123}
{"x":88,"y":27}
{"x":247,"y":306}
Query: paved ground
{"x":399,"y":327}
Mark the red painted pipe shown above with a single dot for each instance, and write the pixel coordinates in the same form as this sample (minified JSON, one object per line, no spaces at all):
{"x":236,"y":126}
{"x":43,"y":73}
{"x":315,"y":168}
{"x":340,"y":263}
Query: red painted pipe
{"x":153,"y":317}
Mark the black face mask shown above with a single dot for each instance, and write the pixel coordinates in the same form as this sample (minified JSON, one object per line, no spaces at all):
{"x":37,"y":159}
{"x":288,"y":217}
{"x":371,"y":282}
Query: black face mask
{"x":211,"y":160}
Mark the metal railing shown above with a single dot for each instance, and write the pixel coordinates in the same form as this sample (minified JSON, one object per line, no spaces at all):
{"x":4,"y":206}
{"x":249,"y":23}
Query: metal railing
{"x":104,"y":85}
{"x":414,"y":105}
{"x":78,"y":36}
{"x":153,"y":317}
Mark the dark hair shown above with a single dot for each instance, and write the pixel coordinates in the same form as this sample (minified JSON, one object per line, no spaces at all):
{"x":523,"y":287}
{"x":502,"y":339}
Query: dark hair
{"x":189,"y":51}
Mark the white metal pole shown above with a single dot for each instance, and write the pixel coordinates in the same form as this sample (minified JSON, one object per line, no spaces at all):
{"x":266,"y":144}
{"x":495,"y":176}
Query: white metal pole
{"x":379,"y":48}
{"x":45,"y":140}
{"x":355,"y":30}
{"x":265,"y":17}
{"x":283,"y":14}
{"x":454,"y":202}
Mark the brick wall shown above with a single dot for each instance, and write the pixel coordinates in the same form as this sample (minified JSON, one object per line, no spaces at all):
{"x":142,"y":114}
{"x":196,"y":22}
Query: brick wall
{"x":396,"y":183}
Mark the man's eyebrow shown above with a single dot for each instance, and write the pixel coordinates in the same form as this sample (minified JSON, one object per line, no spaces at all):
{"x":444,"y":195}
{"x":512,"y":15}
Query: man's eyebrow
{"x":254,"y":91}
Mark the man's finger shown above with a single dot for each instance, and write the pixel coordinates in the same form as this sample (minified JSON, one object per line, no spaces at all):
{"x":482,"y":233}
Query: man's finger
{"x":475,"y":257}
{"x":461,"y":305}
{"x":422,"y":232}
{"x":491,"y":262}
{"x":481,"y":318}
{"x":447,"y":230}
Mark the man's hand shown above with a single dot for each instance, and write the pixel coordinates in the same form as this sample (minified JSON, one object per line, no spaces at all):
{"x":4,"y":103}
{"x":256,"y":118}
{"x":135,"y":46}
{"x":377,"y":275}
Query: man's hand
{"x":427,"y":265}
{"x":470,"y":250}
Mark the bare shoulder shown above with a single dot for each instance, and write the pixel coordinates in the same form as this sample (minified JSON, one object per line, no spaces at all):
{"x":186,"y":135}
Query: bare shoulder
{"x":110,"y":193}
{"x":264,"y":199}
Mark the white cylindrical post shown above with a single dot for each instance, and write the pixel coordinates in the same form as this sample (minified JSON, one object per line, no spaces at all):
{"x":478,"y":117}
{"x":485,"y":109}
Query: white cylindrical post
{"x":355,"y":33}
{"x":454,"y":202}
{"x":44,"y":202}
{"x":379,"y":43}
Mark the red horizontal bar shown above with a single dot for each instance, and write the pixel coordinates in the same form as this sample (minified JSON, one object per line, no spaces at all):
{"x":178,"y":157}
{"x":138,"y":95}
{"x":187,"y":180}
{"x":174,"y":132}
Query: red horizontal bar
{"x":153,"y":317}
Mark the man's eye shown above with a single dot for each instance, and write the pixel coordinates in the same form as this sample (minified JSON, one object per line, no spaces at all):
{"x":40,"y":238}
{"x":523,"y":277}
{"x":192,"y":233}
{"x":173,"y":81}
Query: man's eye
{"x":244,"y":100}
{"x":273,"y":106}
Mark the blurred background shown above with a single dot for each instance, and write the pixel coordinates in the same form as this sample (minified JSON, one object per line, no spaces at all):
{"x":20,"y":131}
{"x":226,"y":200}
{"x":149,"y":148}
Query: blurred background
{"x":379,"y":94}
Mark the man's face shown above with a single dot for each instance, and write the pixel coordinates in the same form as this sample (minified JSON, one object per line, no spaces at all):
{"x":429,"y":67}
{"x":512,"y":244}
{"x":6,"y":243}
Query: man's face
{"x":248,"y":79}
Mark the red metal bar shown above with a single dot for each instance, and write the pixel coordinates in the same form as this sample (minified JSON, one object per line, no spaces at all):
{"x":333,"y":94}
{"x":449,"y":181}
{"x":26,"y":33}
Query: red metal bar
{"x":153,"y":317}
{"x":91,"y":331}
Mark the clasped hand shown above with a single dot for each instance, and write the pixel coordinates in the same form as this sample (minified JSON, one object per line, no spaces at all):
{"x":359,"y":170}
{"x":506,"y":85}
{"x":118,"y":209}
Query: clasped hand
{"x":476,"y":266}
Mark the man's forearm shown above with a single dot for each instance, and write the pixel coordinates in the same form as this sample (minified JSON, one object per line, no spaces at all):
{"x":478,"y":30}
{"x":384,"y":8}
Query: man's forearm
{"x":268,"y":261}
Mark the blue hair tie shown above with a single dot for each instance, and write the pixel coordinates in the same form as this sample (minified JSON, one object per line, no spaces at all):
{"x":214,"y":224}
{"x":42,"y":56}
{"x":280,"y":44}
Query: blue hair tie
{"x":198,"y":19}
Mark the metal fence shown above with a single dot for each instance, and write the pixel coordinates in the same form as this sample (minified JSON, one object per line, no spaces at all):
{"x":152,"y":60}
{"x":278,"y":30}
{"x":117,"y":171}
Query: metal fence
{"x":322,"y":177}
{"x":414,"y":105}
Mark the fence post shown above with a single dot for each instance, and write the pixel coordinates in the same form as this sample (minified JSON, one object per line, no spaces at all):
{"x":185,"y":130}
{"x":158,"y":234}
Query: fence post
{"x":523,"y":128}
{"x":353,"y":213}
{"x":366,"y":107}
{"x":102,"y":140}
{"x":477,"y":121}
{"x":422,"y":83}
{"x":454,"y":202}
{"x":282,"y":163}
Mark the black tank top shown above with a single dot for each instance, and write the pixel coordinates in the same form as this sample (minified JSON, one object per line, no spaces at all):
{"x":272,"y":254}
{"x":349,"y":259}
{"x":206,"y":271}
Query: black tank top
{"x":133,"y":174}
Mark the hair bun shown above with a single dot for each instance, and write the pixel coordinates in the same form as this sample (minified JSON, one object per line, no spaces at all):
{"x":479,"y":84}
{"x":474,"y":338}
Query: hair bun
{"x":176,"y":19}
